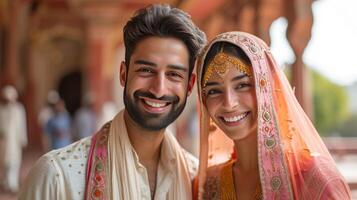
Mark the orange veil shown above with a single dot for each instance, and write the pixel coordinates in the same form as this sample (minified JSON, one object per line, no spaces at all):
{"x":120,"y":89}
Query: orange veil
{"x":293,"y":161}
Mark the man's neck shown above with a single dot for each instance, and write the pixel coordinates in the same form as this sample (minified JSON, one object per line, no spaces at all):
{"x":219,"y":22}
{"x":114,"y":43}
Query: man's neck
{"x":147,"y":144}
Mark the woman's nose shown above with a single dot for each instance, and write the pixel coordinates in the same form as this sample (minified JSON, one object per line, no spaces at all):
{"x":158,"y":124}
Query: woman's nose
{"x":230,"y":99}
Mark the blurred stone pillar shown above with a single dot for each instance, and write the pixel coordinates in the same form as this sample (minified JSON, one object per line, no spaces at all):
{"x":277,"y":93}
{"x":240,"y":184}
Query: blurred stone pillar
{"x":10,"y":72}
{"x":94,"y":64}
{"x":103,"y":20}
{"x":267,"y":12}
{"x":34,"y":130}
{"x":17,"y":69}
{"x":300,"y":21}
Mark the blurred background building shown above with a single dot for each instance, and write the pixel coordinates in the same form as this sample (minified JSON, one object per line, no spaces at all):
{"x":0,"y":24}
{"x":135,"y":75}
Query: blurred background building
{"x":75,"y":47}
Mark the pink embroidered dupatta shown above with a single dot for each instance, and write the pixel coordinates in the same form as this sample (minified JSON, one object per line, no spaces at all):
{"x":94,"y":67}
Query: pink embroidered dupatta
{"x":98,"y":172}
{"x":293,"y":161}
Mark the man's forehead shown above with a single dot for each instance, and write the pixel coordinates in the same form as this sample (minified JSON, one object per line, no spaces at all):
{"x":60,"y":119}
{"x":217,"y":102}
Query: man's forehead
{"x":175,"y":54}
{"x":156,"y":42}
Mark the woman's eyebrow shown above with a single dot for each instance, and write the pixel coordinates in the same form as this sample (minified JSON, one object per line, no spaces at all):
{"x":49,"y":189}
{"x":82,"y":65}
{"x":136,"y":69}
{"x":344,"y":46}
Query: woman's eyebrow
{"x":241,"y":76}
{"x":211,"y":83}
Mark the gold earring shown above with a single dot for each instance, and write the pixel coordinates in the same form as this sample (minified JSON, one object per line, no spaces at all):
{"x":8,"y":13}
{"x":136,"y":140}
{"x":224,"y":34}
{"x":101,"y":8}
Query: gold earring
{"x":212,"y":125}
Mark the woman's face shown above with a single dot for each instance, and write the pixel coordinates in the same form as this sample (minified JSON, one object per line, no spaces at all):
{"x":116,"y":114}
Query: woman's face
{"x":231,"y":102}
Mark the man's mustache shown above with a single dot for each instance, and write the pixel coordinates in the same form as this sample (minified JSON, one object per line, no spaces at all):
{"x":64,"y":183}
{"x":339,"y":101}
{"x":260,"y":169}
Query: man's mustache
{"x":173,"y":99}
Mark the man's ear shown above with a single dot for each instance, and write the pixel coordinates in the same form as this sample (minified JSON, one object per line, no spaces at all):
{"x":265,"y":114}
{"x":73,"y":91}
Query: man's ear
{"x":122,"y":73}
{"x":191,"y":83}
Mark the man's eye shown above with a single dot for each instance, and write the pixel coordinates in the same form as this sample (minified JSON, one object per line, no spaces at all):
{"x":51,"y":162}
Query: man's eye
{"x":174,"y":74}
{"x":145,"y":70}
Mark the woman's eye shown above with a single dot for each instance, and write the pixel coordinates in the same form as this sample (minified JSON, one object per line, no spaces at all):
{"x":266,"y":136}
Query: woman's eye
{"x":243,"y":85}
{"x":212,"y":92}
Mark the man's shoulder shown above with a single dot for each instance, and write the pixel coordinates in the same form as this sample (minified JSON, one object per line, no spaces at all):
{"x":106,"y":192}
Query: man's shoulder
{"x":60,"y":170}
{"x":71,"y":154}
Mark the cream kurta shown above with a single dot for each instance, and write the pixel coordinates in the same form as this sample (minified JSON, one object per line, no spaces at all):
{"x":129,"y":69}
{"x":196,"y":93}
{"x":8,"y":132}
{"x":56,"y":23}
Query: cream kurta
{"x":60,"y":174}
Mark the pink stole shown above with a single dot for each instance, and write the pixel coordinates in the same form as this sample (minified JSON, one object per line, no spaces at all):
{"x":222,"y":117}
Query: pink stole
{"x":97,"y":175}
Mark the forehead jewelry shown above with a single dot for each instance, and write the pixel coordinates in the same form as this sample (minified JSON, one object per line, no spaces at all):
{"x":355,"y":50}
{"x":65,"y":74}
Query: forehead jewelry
{"x":221,"y":62}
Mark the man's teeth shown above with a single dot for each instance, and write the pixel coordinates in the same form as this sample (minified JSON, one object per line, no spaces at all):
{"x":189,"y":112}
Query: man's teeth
{"x":155,"y":105}
{"x":235,"y":118}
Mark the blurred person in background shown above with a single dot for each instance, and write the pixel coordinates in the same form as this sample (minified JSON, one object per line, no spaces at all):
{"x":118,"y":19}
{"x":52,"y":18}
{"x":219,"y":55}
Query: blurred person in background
{"x":134,"y":156}
{"x":46,"y":113}
{"x":273,"y":150}
{"x":85,"y":119}
{"x":13,"y":138}
{"x":58,"y":127}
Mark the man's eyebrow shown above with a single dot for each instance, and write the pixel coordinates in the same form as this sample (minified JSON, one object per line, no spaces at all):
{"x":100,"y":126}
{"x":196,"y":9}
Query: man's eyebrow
{"x":178,"y":67}
{"x":145,"y":62}
{"x":172,"y":66}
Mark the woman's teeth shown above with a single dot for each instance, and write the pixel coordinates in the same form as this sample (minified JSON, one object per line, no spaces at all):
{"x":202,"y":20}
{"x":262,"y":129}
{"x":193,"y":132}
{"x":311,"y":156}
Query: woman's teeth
{"x":235,"y":118}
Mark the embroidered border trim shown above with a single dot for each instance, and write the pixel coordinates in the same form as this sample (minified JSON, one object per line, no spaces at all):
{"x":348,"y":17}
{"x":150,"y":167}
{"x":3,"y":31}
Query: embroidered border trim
{"x":97,"y":166}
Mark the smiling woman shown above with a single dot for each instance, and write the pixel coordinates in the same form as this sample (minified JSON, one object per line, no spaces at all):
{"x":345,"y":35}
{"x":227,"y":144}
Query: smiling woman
{"x":228,"y":88}
{"x":277,"y":152}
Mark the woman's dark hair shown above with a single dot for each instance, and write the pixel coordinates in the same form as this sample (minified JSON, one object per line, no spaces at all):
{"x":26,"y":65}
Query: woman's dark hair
{"x":228,"y":48}
{"x":163,"y":21}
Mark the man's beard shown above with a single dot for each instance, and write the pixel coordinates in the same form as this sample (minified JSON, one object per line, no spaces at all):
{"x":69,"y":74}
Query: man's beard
{"x":152,"y":121}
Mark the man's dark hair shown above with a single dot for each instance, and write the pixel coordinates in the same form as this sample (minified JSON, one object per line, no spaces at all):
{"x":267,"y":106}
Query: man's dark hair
{"x":163,"y":21}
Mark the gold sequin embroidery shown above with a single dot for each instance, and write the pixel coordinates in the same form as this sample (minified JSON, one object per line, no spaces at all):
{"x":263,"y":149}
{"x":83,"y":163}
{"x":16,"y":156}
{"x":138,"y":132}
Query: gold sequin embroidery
{"x":221,"y":62}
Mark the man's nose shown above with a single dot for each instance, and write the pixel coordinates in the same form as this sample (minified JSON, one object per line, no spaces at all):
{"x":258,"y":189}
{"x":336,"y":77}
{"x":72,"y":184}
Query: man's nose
{"x":158,"y":86}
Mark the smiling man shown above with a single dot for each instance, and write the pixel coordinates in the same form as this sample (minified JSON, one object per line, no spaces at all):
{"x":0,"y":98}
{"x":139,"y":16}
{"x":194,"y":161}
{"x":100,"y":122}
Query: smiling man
{"x":157,"y":82}
{"x":134,"y":156}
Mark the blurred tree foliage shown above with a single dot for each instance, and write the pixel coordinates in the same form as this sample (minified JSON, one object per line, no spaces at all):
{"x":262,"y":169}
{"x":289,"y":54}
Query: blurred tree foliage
{"x":330,"y":103}
{"x":349,"y":127}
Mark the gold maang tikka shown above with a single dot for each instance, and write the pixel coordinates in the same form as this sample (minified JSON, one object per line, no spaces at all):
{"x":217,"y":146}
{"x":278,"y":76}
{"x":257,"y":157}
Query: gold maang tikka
{"x":221,"y":62}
